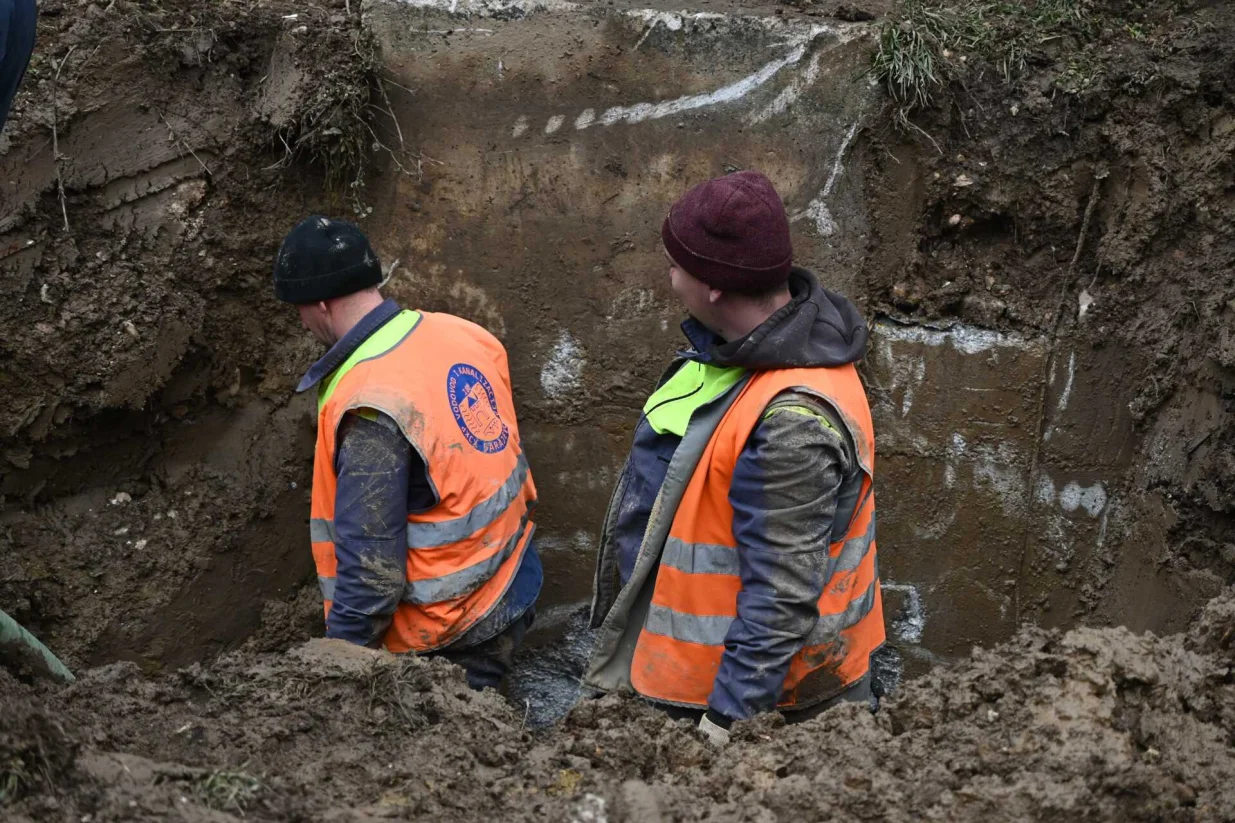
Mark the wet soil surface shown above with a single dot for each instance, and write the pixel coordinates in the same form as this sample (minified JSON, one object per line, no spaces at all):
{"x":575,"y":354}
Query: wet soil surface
{"x":152,"y":468}
{"x":1095,"y":724}
{"x":545,"y":680}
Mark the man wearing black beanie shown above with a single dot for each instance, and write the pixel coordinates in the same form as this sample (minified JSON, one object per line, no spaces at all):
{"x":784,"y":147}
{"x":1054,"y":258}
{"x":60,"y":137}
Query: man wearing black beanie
{"x":422,"y":497}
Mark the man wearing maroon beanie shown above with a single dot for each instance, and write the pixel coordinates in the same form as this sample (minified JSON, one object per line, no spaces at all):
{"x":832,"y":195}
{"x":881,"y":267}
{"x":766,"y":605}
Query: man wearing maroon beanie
{"x":737,"y":570}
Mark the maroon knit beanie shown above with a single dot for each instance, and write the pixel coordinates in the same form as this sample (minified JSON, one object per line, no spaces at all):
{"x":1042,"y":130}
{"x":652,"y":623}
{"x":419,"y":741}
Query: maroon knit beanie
{"x":731,"y":233}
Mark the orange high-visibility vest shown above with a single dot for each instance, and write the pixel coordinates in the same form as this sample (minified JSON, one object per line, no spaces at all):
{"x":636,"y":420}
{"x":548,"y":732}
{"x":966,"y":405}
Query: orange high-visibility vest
{"x":445,"y":382}
{"x":694,"y":600}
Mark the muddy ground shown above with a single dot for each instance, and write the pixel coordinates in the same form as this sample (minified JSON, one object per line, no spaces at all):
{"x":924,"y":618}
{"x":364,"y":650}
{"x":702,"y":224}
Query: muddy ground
{"x":1071,"y":179}
{"x":1097,"y":724}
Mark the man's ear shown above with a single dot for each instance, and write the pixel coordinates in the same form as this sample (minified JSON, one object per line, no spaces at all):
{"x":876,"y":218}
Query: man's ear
{"x":714,"y":296}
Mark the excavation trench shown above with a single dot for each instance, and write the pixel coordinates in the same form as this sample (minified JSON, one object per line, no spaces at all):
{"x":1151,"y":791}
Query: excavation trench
{"x":1040,"y":459}
{"x":1044,"y":258}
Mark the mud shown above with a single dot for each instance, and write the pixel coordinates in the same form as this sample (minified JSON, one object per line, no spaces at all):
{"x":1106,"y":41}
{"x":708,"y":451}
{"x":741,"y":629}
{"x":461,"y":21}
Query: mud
{"x":546,"y":679}
{"x":154,"y":468}
{"x":1096,"y":724}
{"x":1078,"y":459}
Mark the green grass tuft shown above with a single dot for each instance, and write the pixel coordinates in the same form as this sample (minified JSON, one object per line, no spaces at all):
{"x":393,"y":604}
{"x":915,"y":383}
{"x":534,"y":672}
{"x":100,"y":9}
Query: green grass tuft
{"x":229,"y":790}
{"x":14,"y":780}
{"x":929,"y":43}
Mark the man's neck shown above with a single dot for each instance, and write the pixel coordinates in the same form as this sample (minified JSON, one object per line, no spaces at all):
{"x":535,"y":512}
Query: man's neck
{"x":750,"y":315}
{"x":352,"y":310}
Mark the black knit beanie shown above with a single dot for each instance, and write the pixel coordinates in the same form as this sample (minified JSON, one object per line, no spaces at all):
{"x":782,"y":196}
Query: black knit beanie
{"x":323,"y":258}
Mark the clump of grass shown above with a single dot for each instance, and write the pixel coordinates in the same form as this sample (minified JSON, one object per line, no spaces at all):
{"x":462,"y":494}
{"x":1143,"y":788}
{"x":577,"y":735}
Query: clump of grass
{"x":14,"y":780}
{"x":229,"y":790}
{"x":1080,"y":74}
{"x":331,"y":126}
{"x":906,"y":64}
{"x":335,"y":125}
{"x":401,"y":688}
{"x":929,"y":43}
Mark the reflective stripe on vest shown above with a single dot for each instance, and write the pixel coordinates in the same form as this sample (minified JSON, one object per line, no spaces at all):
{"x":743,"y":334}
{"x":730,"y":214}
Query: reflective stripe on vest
{"x":432,"y":535}
{"x":695,"y":591}
{"x":447,"y":388}
{"x":711,"y":630}
{"x":703,"y":558}
{"x":446,"y":587}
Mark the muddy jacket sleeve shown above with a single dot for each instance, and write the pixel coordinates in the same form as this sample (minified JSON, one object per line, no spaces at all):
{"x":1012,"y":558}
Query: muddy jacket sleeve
{"x":371,"y":506}
{"x":783,"y":493}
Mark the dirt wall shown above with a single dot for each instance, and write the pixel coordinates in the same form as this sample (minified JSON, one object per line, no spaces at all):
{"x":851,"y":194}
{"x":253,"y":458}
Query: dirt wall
{"x":1073,"y":250}
{"x":1038,"y":462}
{"x":516,"y":171}
{"x":553,"y":137}
{"x":154,"y":469}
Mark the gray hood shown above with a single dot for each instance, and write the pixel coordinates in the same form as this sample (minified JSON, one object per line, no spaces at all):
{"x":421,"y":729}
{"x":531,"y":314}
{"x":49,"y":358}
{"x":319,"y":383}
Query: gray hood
{"x":816,"y":328}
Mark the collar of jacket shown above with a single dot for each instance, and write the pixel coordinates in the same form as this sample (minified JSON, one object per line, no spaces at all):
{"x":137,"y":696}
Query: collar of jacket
{"x":348,"y":343}
{"x":815,"y":328}
{"x":706,"y":346}
{"x":703,"y":341}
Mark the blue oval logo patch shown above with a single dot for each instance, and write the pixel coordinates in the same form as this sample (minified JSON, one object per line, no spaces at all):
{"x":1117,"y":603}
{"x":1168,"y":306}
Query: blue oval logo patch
{"x":475,"y":407}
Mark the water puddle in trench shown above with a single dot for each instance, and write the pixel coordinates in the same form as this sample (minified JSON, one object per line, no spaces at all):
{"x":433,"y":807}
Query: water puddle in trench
{"x":545,"y":679}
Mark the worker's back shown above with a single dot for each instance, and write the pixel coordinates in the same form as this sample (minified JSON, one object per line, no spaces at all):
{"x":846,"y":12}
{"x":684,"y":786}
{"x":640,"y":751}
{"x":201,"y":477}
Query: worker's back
{"x":444,"y":381}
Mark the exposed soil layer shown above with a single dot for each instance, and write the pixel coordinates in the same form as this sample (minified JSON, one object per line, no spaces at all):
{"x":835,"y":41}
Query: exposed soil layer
{"x":154,"y":463}
{"x":153,"y":492}
{"x":1097,"y":724}
{"x":1072,"y":182}
{"x":155,"y":471}
{"x":153,"y":486}
{"x":153,"y":468}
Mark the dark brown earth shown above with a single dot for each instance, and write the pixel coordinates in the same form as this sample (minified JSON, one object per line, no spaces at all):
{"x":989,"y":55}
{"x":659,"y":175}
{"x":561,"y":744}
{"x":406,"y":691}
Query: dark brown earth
{"x":153,"y":487}
{"x":1097,"y":724}
{"x":1102,"y":175}
{"x":153,"y":463}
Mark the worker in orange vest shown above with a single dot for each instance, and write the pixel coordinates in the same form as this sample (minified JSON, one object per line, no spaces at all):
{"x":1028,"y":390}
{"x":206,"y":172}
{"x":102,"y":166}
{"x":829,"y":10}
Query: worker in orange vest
{"x":422,"y":497}
{"x":738,"y":570}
